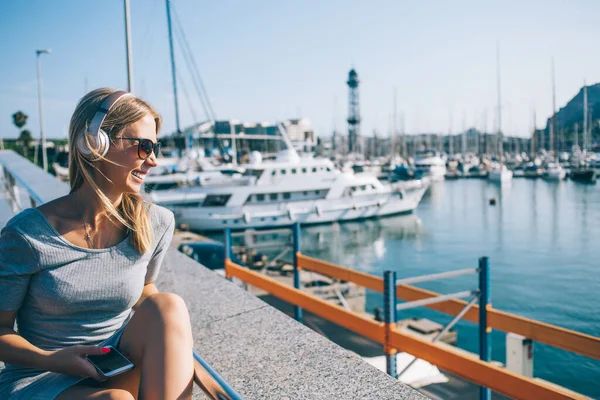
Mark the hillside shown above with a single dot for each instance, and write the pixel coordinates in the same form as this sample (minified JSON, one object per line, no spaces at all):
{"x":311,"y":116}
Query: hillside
{"x":572,"y":114}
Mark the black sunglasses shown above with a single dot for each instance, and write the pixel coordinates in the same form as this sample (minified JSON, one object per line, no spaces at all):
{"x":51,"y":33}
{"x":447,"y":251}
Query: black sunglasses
{"x":145,"y":147}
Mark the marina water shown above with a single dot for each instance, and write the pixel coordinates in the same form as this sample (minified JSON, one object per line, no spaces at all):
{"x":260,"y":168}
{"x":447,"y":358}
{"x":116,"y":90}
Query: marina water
{"x":542,"y":241}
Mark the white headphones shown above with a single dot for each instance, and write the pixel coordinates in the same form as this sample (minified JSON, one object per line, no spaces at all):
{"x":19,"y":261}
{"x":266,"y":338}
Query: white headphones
{"x":94,"y":143}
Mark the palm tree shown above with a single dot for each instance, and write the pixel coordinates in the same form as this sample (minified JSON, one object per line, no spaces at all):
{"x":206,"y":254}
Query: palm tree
{"x":19,"y":119}
{"x":25,"y":138}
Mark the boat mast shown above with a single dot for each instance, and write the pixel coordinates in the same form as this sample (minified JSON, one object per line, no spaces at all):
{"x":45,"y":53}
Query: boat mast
{"x":173,"y":71}
{"x":553,"y":121}
{"x":533,"y":137}
{"x":404,"y":152}
{"x":500,"y":146}
{"x":395,"y":127}
{"x":485,"y":135}
{"x":464,"y":135}
{"x":450,"y":138}
{"x":585,"y":117}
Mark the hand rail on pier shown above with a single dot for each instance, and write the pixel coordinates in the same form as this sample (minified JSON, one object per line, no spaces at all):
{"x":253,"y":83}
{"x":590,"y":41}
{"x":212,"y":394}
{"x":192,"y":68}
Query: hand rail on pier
{"x":40,"y":185}
{"x":454,"y":361}
{"x":538,"y":331}
{"x":213,"y":384}
{"x":434,"y":277}
{"x":445,"y":330}
{"x":433,"y":300}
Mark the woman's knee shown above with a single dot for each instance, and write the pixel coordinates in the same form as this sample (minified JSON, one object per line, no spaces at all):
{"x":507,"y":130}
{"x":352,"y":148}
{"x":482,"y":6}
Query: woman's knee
{"x":168,"y":307}
{"x":114,"y":394}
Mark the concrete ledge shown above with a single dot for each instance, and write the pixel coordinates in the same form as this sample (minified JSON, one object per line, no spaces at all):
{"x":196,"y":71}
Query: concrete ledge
{"x":263,"y":353}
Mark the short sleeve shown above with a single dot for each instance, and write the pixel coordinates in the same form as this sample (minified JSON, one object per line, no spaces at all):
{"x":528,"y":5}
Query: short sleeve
{"x":18,"y":261}
{"x":159,"y":252}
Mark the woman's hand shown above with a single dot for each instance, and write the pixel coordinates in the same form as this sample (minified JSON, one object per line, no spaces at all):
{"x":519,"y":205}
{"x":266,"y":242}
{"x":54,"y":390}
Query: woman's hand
{"x":71,"y":361}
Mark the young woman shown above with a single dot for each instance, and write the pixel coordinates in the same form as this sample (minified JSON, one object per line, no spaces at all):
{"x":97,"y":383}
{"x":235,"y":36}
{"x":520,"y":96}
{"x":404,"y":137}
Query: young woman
{"x":73,"y":269}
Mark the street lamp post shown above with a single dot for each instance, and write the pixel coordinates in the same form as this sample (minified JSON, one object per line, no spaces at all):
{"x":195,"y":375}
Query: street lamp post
{"x":128,"y":48}
{"x":41,"y":104}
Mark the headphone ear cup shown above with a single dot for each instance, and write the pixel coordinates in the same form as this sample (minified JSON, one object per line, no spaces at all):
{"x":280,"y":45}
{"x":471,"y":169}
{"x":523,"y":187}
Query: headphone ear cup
{"x":102,"y":142}
{"x":94,"y":146}
{"x":82,"y":144}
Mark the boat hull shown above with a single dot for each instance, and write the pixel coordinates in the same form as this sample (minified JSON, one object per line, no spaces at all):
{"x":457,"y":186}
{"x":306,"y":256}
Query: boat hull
{"x":201,"y":219}
{"x":554,"y":176}
{"x":435,"y":173}
{"x":500,"y":176}
{"x":584,"y":176}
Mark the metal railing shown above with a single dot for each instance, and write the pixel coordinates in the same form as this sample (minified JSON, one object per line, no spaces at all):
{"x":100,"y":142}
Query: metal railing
{"x":220,"y":390}
{"x":20,"y":173}
{"x":477,"y":309}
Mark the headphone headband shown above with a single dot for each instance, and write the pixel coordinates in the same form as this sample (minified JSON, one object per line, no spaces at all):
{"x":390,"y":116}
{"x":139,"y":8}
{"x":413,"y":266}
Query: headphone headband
{"x":108,"y":103}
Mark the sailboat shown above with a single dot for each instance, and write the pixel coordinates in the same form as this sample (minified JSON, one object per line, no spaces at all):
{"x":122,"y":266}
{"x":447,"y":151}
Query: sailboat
{"x":582,"y":172}
{"x":500,"y":173}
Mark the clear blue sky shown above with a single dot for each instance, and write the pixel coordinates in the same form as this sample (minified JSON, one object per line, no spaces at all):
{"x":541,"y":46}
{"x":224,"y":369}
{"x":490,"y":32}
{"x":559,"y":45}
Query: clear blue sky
{"x":267,"y":60}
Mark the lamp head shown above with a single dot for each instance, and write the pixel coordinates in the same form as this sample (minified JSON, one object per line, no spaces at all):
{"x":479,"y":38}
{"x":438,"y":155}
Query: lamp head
{"x":43,"y":51}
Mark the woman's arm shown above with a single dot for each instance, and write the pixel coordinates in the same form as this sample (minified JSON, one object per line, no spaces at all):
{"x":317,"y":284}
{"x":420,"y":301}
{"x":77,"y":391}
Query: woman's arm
{"x":14,"y":349}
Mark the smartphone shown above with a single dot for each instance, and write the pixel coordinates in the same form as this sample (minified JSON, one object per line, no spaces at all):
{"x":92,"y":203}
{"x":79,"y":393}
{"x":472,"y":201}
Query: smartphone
{"x":112,"y":363}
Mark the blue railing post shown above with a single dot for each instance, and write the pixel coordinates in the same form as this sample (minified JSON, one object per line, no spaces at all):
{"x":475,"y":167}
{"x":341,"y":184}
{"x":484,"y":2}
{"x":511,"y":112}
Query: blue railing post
{"x":389,"y":315}
{"x":227,"y":250}
{"x":296,"y":235}
{"x":484,"y":332}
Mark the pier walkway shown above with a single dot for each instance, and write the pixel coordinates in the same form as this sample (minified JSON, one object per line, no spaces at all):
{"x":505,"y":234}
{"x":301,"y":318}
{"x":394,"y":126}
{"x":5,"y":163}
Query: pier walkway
{"x":257,"y":350}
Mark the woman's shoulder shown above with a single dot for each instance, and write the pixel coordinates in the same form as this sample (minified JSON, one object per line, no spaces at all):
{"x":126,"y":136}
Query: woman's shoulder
{"x":162,"y":218}
{"x":25,"y":222}
{"x":17,"y":251}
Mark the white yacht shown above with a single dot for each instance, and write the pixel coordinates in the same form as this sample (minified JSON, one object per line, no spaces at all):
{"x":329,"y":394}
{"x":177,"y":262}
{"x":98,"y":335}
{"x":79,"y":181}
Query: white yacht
{"x":430,"y":163}
{"x":225,"y":177}
{"x":500,"y":174}
{"x":287,"y":190}
{"x":554,"y":172}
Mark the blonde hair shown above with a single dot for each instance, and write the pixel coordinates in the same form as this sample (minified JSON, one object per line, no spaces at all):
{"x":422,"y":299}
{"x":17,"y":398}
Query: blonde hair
{"x":133,"y":210}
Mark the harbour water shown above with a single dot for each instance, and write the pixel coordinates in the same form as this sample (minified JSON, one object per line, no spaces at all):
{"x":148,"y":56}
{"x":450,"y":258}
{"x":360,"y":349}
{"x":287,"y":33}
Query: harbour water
{"x":542,"y":241}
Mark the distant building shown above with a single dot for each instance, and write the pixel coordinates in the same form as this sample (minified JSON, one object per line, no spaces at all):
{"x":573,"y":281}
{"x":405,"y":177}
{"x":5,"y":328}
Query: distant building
{"x":245,"y":137}
{"x":301,"y":134}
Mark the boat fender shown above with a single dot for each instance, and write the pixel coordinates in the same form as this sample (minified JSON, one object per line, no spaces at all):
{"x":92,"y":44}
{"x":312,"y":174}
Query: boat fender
{"x":379,"y":203}
{"x":291,"y":215}
{"x":247,"y":217}
{"x":355,"y":207}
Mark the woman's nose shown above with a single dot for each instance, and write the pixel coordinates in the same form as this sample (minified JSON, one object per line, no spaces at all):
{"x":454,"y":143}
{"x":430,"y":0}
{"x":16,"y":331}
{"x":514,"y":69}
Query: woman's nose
{"x":151,"y":160}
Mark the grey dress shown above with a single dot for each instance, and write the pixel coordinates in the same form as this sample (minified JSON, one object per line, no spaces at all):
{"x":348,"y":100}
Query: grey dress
{"x":68,"y":295}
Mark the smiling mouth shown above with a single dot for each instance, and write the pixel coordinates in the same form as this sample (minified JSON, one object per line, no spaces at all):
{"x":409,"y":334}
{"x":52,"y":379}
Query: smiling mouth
{"x":138,"y":174}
